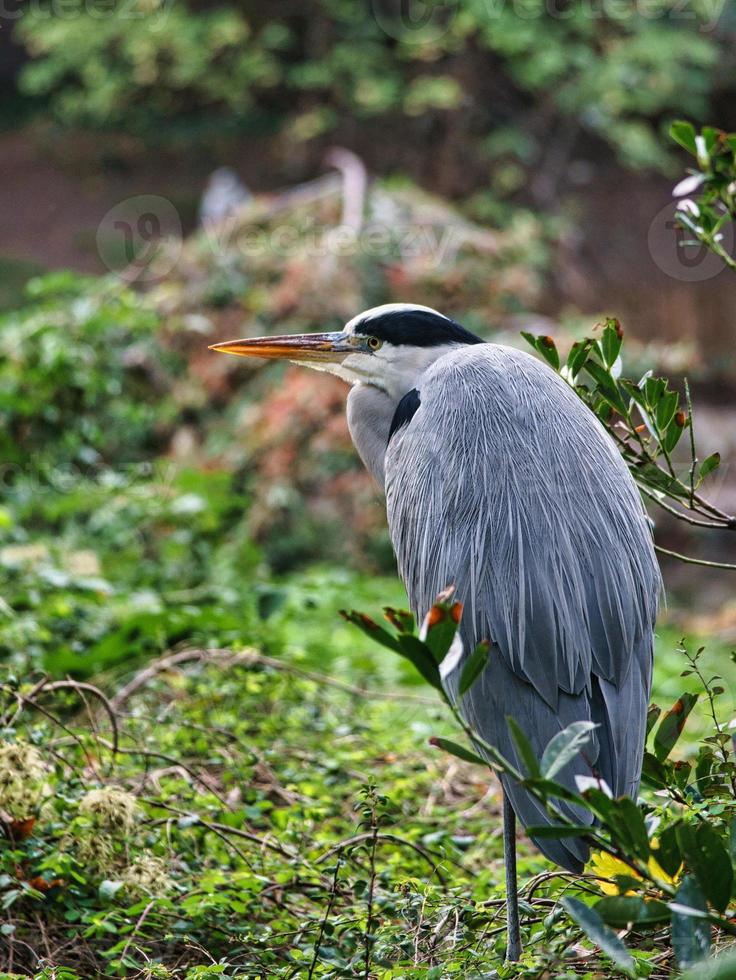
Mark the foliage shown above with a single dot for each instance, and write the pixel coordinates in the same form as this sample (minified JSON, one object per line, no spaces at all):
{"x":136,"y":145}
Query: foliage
{"x":589,"y":68}
{"x":646,"y":420}
{"x":146,"y":61}
{"x":74,"y":377}
{"x":707,"y":205}
{"x":228,"y":821}
{"x":670,"y":860}
{"x":222,"y":831}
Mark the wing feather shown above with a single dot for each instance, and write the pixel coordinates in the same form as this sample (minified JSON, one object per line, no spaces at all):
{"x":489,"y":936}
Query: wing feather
{"x":505,"y":485}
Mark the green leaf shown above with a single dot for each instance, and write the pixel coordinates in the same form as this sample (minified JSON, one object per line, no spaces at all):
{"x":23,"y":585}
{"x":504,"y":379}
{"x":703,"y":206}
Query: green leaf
{"x":706,"y":763}
{"x":653,"y":771}
{"x":732,"y":841}
{"x":710,"y":135}
{"x":611,"y":342}
{"x":607,"y":387}
{"x":440,"y":627}
{"x":690,"y":928}
{"x":683,"y":132}
{"x":636,"y":392}
{"x":654,"y":388}
{"x":458,"y":751}
{"x":621,"y":910}
{"x":709,"y":464}
{"x":565,"y":745}
{"x":598,"y":932}
{"x":600,"y":803}
{"x":577,"y":357}
{"x":672,"y":435}
{"x":708,"y":859}
{"x":368,"y":626}
{"x":524,"y":747}
{"x":671,"y":726}
{"x":417,"y":654}
{"x":668,"y":855}
{"x":624,"y":819}
{"x":405,"y":645}
{"x":473,"y":666}
{"x":652,"y":476}
{"x":400,"y":619}
{"x":545,"y":346}
{"x":666,"y":409}
{"x":631,"y":826}
{"x":653,"y":713}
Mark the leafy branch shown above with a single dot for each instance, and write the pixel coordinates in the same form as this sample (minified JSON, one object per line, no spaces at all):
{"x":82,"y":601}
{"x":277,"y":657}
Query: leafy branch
{"x":707,"y":205}
{"x":647,"y":421}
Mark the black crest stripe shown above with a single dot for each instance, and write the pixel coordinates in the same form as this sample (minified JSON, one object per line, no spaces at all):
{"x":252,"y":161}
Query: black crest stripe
{"x":405,"y":411}
{"x":416,"y":328}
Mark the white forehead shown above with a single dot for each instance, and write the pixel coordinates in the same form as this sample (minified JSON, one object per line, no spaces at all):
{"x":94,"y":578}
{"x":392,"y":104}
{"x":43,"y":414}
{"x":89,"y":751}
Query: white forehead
{"x":377,"y":311}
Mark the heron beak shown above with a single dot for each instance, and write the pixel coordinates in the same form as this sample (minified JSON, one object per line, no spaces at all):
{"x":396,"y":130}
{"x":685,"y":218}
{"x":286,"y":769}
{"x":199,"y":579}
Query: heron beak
{"x":331,"y":347}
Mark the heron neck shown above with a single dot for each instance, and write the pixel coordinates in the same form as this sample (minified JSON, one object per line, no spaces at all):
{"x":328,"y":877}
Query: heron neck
{"x":370,"y":411}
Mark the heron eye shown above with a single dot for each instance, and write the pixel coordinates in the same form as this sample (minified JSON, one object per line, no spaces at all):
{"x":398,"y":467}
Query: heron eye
{"x":374,"y":343}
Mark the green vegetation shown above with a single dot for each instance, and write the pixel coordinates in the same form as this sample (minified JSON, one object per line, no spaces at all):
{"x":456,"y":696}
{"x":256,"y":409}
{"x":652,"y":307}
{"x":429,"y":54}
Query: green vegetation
{"x":707,"y":205}
{"x":669,"y":859}
{"x":608,"y":71}
{"x":205,"y":772}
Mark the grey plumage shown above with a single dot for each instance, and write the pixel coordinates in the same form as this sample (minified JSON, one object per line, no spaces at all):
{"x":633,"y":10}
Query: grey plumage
{"x":505,"y":485}
{"x":501,"y":482}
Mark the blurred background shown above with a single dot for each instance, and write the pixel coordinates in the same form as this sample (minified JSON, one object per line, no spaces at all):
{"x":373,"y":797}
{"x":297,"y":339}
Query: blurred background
{"x":174,"y":174}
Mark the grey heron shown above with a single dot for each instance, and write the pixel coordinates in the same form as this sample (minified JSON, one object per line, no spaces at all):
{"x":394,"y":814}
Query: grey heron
{"x":500,"y":481}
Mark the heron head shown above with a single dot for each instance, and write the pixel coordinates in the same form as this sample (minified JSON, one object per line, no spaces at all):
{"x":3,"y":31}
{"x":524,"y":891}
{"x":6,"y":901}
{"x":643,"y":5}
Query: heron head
{"x":387,"y":346}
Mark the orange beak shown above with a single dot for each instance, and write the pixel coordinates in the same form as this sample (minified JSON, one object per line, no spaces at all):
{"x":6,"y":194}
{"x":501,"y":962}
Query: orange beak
{"x":297,"y":347}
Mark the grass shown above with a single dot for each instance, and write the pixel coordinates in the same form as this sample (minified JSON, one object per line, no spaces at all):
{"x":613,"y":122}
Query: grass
{"x":260,"y":780}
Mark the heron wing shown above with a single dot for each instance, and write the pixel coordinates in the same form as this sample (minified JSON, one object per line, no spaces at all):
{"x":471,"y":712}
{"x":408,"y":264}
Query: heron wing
{"x":505,"y":485}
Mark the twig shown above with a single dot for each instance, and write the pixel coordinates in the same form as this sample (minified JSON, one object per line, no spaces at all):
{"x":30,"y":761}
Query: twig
{"x":694,"y":561}
{"x":678,"y":513}
{"x":693,"y":457}
{"x":43,"y":687}
{"x":141,"y":919}
{"x":390,"y":838}
{"x":325,"y":918}
{"x":83,"y":686}
{"x":223,"y":828}
{"x":373,"y":835}
{"x":149,"y":754}
{"x":251,"y":658}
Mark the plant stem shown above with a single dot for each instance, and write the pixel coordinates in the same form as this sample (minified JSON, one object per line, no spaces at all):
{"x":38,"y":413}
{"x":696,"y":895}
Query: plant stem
{"x":694,"y":561}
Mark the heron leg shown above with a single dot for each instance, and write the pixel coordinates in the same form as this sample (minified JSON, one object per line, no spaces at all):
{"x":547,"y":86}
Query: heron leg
{"x":513,"y":933}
